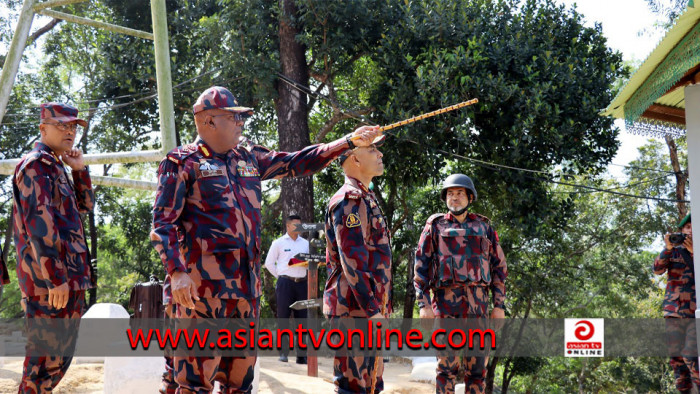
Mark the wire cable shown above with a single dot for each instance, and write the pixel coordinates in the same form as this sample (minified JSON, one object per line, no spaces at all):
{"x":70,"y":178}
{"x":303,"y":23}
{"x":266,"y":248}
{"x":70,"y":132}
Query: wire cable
{"x":490,"y":165}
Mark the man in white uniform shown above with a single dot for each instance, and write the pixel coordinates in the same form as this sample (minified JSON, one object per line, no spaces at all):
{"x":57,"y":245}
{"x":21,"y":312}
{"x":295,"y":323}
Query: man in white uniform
{"x":291,"y":281}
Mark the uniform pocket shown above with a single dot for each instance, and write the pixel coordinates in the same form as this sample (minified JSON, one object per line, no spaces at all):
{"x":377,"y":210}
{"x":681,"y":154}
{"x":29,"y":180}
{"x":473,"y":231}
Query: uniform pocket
{"x":464,"y":257}
{"x":218,"y":265}
{"x":478,"y":252}
{"x":379,"y":233}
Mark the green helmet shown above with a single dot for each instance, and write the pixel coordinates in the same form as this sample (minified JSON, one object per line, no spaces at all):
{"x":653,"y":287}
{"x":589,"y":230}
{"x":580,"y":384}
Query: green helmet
{"x":458,"y":180}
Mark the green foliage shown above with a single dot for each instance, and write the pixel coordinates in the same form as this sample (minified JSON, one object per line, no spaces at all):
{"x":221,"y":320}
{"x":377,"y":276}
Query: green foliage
{"x":541,"y":77}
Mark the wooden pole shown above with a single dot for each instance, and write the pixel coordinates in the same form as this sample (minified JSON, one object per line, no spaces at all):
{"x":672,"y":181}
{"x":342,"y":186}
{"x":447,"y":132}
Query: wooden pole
{"x":163,"y":77}
{"x":312,"y":294}
{"x":14,"y":54}
{"x":97,"y":24}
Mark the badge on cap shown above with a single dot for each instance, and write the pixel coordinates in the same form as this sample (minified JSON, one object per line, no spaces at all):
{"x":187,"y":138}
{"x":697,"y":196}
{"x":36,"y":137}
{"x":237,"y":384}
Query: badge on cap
{"x":352,"y":221}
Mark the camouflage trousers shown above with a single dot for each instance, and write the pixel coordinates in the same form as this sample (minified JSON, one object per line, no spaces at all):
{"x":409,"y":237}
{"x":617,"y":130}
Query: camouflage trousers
{"x":197,"y":374}
{"x":43,"y":373}
{"x":353,"y":373}
{"x":461,"y":302}
{"x":682,"y":342}
{"x":168,"y":384}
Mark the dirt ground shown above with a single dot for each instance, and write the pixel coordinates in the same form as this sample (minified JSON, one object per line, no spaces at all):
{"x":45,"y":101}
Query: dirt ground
{"x":275,"y":377}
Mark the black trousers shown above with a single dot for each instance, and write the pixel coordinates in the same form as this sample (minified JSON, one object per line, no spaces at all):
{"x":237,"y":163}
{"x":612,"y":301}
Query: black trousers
{"x":289,"y":292}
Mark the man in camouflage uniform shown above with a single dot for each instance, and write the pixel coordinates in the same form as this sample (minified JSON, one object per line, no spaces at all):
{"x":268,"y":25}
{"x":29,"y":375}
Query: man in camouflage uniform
{"x":459,"y":259}
{"x":679,"y":302}
{"x":358,"y":254}
{"x":53,"y":268}
{"x":210,"y":193}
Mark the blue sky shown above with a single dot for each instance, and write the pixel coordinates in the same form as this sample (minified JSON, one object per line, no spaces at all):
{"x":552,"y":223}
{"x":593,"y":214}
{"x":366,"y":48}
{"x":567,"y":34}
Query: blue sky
{"x":629,"y":28}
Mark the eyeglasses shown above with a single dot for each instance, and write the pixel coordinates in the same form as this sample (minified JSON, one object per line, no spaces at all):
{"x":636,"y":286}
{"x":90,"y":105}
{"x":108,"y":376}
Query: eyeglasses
{"x":233,"y":117}
{"x":64,"y":126}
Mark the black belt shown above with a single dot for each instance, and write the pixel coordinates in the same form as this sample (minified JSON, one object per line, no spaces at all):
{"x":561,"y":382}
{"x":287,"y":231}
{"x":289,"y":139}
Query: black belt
{"x":293,"y":279}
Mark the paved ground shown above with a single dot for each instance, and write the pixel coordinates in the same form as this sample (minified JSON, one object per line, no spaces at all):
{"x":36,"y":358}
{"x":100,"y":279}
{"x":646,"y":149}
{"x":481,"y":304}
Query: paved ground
{"x":275,"y":377}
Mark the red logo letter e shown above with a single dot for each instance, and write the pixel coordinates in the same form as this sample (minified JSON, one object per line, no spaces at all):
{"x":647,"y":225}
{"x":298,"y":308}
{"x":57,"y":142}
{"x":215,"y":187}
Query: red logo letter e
{"x":581,"y":332}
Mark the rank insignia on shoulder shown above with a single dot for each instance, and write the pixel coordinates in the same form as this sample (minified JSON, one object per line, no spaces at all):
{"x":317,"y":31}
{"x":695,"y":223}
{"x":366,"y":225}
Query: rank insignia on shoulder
{"x":352,"y":221}
{"x":174,"y":160}
{"x":352,"y":196}
{"x":46,"y":161}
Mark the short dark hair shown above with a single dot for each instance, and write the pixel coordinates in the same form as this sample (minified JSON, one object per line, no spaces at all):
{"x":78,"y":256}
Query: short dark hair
{"x":293,"y":217}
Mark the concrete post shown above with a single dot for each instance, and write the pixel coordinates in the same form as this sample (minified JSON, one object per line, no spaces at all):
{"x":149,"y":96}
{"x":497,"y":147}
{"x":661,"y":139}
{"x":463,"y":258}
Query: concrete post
{"x":692,"y":121}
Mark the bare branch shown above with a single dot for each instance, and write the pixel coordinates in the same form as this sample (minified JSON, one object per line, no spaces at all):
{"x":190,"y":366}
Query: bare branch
{"x":43,"y":30}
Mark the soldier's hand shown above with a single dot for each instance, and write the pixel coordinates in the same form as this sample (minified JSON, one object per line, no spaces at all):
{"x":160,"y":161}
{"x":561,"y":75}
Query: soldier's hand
{"x":366,"y":134}
{"x":74,"y":159}
{"x":183,"y":289}
{"x":427,"y":318}
{"x":497,"y":316}
{"x":688,"y":243}
{"x":669,"y":245}
{"x":377,"y":316}
{"x":58,"y":296}
{"x":426,"y":313}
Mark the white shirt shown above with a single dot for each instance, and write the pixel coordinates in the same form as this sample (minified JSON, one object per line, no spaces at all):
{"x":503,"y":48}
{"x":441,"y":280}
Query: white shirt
{"x":281,"y":251}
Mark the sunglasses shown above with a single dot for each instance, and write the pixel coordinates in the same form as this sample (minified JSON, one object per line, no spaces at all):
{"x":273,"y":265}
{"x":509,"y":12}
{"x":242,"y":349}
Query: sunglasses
{"x":64,"y":126}
{"x":234,"y":117}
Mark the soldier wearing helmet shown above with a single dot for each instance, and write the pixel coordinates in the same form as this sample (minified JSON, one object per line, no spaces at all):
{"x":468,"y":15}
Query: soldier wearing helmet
{"x":460,"y":261}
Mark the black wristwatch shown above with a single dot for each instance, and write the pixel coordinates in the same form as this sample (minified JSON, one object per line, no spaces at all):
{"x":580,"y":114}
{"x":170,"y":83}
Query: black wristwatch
{"x":351,"y":145}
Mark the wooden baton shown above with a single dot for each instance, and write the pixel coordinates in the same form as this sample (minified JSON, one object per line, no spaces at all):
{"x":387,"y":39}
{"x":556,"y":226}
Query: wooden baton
{"x":424,"y":116}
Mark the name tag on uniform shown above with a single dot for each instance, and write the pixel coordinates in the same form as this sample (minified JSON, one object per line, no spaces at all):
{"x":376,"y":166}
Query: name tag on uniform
{"x":209,"y":173}
{"x":247,"y":171}
{"x":287,"y":250}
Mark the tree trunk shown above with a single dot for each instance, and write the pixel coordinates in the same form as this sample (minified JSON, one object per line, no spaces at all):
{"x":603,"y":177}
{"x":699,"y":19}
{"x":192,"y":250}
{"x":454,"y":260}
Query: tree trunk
{"x":681,"y":177}
{"x":582,"y":376}
{"x":291,"y":106}
{"x":491,"y":374}
{"x":410,"y":297}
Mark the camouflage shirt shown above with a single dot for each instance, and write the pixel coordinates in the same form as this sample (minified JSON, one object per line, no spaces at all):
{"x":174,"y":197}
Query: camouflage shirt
{"x":679,"y":300}
{"x":206,"y":217}
{"x":452,"y":254}
{"x":48,"y":231}
{"x":358,"y":254}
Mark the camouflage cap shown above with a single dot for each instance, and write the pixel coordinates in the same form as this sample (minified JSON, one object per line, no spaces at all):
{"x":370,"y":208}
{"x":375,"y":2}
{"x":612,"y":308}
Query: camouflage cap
{"x":217,"y":97}
{"x":62,"y":113}
{"x":379,"y":141}
{"x":685,"y":220}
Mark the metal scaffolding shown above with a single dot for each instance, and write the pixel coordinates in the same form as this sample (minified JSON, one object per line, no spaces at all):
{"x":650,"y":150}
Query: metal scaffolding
{"x":163,"y":80}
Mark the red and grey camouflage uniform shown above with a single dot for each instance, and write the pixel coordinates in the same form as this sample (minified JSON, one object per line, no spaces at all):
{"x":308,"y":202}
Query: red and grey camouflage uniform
{"x":680,"y":302}
{"x":206,"y":222}
{"x":460,"y":263}
{"x":358,"y":254}
{"x":51,"y":248}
